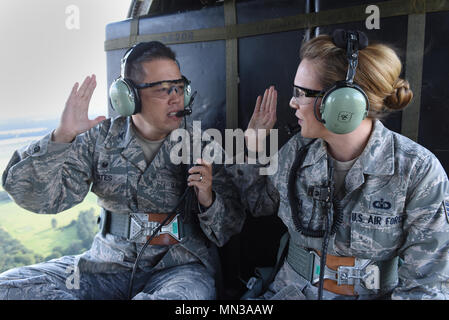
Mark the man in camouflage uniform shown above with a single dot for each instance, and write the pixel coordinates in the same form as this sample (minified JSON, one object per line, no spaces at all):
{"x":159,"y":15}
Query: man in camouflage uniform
{"x":52,"y":175}
{"x":390,"y":169}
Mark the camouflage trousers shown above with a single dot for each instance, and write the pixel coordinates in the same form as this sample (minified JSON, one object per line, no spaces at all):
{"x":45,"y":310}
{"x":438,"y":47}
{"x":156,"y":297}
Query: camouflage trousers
{"x":56,"y":280}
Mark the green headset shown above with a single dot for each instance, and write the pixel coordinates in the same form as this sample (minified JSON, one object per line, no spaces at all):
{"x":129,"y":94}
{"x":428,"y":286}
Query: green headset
{"x":345,"y":104}
{"x":124,"y":93}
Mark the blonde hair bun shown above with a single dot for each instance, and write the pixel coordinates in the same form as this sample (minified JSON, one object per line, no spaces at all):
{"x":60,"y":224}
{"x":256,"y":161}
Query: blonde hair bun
{"x":400,"y":97}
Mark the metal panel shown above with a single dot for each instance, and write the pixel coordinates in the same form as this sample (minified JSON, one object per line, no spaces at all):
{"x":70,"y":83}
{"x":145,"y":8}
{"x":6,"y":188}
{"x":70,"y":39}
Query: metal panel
{"x":231,"y":69}
{"x":434,"y":115}
{"x":266,"y":60}
{"x":413,"y":73}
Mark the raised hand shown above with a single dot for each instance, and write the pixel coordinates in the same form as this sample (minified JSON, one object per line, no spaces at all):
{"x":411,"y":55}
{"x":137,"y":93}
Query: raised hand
{"x":264,"y":117}
{"x":74,"y":119}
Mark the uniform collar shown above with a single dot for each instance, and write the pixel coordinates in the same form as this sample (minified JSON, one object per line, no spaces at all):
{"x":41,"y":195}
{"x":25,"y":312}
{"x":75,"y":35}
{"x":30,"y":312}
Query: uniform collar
{"x":126,"y":139}
{"x":376,"y":159}
{"x":316,"y":151}
{"x":120,"y":133}
{"x":122,"y":136}
{"x":378,"y":156}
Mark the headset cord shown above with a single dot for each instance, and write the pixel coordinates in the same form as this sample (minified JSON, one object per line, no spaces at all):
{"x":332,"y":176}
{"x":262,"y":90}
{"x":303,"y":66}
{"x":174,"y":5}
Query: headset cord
{"x":155,"y":232}
{"x":187,"y":207}
{"x":328,"y":217}
{"x":324,"y":255}
{"x":295,"y":203}
{"x":332,"y":204}
{"x":338,"y":220}
{"x":338,"y":216}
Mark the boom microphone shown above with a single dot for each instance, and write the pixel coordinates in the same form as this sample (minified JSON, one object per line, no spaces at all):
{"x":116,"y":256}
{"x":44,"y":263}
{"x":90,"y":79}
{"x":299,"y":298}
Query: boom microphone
{"x":183,"y":113}
{"x":188,"y":109}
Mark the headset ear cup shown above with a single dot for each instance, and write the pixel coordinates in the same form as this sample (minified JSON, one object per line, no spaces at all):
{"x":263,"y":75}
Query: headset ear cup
{"x":367,"y":105}
{"x":343,"y":108}
{"x":136,"y":95}
{"x":187,"y":94}
{"x":323,"y":106}
{"x":124,"y":97}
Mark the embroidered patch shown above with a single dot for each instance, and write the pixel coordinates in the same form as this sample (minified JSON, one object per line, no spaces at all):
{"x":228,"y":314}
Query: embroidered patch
{"x":381,"y":204}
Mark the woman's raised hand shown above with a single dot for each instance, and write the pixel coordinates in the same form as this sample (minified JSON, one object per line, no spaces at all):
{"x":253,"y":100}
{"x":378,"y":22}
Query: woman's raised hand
{"x":264,"y":117}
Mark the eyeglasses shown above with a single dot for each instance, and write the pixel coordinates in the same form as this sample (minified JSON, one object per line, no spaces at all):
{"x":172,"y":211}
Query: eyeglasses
{"x":302,"y":95}
{"x":163,"y":89}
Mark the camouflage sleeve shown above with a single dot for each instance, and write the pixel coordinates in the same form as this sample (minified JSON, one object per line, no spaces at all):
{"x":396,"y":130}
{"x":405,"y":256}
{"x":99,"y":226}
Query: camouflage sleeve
{"x":257,"y":192}
{"x":225,"y":217}
{"x":49,"y":177}
{"x":424,"y":273}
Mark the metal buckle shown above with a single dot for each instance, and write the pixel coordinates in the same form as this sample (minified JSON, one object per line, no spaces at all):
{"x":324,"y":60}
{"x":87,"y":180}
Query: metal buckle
{"x":140,"y":228}
{"x":362,"y":273}
{"x":328,"y":272}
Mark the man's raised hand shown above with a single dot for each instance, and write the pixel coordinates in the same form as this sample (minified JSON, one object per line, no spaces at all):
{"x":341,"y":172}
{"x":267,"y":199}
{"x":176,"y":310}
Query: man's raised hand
{"x":74,"y":119}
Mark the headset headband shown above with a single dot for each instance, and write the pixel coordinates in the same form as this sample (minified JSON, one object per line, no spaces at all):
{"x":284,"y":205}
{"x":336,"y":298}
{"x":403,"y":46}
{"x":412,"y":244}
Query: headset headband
{"x":352,"y":51}
{"x":352,"y":41}
{"x":135,"y":52}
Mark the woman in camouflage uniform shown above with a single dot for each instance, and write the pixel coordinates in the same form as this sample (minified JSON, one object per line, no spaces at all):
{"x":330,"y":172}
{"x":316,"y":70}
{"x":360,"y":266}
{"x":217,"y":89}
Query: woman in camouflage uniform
{"x":384,"y":219}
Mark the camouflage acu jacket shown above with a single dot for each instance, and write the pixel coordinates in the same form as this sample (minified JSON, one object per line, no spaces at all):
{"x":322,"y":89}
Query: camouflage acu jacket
{"x":48,"y":177}
{"x":396,"y":202}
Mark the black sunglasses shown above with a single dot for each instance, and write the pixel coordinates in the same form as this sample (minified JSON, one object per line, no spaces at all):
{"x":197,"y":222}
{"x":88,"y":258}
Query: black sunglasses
{"x":153,"y":84}
{"x":309,"y":93}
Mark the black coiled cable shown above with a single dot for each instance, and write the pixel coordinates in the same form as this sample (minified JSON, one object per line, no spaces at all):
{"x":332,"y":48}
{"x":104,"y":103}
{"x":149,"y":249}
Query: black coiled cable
{"x":338,"y":217}
{"x":332,"y":206}
{"x":295,"y":203}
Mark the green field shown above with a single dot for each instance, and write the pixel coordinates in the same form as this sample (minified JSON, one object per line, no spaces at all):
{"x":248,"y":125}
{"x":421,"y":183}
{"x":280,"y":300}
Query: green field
{"x":35,"y":231}
{"x":37,"y":234}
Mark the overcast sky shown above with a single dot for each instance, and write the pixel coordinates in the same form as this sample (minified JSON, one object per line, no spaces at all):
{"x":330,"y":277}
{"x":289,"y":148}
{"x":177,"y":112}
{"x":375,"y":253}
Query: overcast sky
{"x":43,"y":53}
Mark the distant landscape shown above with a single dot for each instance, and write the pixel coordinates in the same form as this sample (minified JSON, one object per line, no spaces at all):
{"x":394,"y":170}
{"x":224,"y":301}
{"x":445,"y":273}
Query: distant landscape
{"x":28,"y":238}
